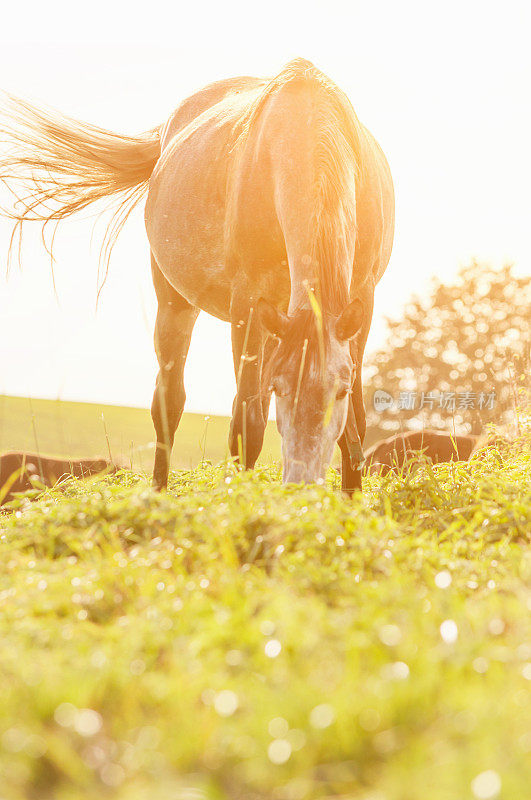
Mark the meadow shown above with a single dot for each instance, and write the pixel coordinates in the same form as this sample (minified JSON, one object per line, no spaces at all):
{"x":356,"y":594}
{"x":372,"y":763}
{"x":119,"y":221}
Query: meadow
{"x":237,"y":639}
{"x":76,"y":430}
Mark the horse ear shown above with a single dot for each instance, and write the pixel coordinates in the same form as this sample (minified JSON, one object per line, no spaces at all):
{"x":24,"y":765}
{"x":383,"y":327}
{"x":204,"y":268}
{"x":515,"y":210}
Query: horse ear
{"x":273,"y":320}
{"x":350,"y":320}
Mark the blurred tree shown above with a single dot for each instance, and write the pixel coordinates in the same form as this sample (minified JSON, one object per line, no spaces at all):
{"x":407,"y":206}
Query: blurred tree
{"x":460,"y":356}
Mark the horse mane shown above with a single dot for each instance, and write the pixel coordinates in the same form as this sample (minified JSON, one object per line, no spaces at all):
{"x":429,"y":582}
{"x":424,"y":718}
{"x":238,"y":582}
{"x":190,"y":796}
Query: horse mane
{"x":306,"y":333}
{"x":337,"y":159}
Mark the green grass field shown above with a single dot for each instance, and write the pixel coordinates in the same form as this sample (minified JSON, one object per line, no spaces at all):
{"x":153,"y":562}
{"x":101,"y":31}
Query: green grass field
{"x":235,"y":639}
{"x":76,"y":430}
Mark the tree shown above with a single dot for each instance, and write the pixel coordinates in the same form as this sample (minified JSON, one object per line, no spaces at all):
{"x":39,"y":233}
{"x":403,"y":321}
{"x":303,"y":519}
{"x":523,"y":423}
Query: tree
{"x":460,"y":357}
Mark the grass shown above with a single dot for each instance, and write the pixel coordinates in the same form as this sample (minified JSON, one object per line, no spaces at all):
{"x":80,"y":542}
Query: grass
{"x":237,"y":639}
{"x":77,"y":430}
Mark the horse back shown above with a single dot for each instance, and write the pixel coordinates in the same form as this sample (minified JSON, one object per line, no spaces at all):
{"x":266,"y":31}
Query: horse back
{"x":207,"y":97}
{"x":239,"y":185}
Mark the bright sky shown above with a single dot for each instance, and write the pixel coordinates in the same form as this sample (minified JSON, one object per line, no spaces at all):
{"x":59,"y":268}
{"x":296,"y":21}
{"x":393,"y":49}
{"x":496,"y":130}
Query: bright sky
{"x":443,"y":86}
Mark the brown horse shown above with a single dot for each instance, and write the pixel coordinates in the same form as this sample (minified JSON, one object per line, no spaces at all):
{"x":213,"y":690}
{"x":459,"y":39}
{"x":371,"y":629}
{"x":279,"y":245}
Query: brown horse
{"x":404,"y":448}
{"x":22,"y":471}
{"x":271,"y":207}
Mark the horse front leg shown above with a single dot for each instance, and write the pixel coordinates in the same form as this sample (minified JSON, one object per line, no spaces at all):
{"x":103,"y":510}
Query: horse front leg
{"x":351,"y":441}
{"x":173,"y":332}
{"x":248,"y":422}
{"x":350,"y":444}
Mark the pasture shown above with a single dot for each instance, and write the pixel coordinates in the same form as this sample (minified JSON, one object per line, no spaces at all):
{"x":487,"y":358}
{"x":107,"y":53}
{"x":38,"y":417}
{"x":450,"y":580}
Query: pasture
{"x":236,"y":639}
{"x":74,"y":430}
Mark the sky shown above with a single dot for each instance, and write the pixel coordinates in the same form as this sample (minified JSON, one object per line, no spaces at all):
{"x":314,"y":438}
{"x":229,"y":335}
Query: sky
{"x":444,"y":87}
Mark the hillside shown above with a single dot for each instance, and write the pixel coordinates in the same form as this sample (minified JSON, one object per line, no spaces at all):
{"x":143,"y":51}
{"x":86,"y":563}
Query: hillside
{"x":74,"y":430}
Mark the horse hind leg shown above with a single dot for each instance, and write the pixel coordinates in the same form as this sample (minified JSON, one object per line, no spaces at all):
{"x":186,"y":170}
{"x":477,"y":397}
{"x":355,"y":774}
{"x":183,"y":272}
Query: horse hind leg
{"x":173,"y":333}
{"x":248,"y":419}
{"x":269,"y":349}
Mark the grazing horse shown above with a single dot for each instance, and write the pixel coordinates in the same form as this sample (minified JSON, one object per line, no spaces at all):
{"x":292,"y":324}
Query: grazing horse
{"x":22,"y":471}
{"x":396,"y":451}
{"x":270,"y":206}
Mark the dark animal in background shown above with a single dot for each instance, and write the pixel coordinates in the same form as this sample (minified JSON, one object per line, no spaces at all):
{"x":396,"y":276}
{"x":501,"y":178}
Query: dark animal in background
{"x":396,"y":451}
{"x":20,"y":472}
{"x":498,"y":441}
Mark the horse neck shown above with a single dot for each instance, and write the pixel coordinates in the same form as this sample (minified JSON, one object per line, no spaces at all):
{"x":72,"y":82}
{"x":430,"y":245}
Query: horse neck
{"x":304,"y":133}
{"x":316,"y":208}
{"x":323,"y":269}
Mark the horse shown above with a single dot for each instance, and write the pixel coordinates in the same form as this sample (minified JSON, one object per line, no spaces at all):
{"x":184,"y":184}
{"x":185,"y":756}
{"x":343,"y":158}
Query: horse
{"x":492,"y":440}
{"x":393,"y":453}
{"x":20,"y":471}
{"x":270,"y":206}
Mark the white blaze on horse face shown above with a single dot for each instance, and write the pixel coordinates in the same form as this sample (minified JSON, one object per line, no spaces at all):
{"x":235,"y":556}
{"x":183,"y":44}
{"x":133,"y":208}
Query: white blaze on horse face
{"x":307,"y":449}
{"x":310,"y":431}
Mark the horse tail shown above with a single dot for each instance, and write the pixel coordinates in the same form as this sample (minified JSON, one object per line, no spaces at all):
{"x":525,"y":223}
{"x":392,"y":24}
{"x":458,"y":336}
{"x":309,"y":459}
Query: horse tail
{"x":55,"y":166}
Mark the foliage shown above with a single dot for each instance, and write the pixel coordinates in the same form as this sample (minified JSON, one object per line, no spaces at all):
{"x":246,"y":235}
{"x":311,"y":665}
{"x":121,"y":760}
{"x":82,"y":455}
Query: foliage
{"x":237,"y":639}
{"x":471,"y":336}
